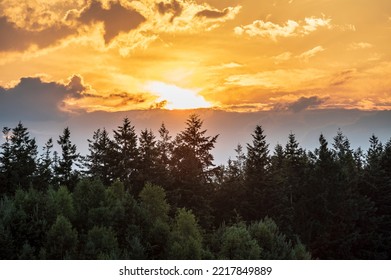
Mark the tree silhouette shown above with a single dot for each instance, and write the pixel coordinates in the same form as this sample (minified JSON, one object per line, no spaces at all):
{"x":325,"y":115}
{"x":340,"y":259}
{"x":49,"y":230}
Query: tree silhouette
{"x":18,"y":158}
{"x":125,"y":157}
{"x":141,"y":197}
{"x":65,"y":174}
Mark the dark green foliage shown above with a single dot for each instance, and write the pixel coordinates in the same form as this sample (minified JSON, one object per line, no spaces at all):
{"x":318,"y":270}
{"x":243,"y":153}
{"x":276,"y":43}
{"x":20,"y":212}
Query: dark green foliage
{"x":186,"y":238}
{"x":89,"y":200}
{"x":61,"y":240}
{"x":59,"y":202}
{"x":28,"y":223}
{"x":101,"y":244}
{"x":7,"y":208}
{"x":153,"y":202}
{"x":274,"y":244}
{"x":237,"y":244}
{"x":130,"y":203}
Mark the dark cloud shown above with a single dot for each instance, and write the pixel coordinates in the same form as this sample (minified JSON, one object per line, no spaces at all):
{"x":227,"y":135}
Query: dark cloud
{"x":343,"y":77}
{"x":126,"y":98}
{"x":174,"y":8}
{"x":212,"y":14}
{"x":14,"y":38}
{"x":304,"y":103}
{"x":34,"y":99}
{"x":242,"y":107}
{"x":158,"y":105}
{"x":116,"y":19}
{"x":76,"y":85}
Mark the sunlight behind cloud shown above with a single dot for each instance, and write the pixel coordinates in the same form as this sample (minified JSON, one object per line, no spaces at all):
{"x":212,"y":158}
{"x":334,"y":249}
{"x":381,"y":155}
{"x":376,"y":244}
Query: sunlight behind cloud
{"x":176,"y":97}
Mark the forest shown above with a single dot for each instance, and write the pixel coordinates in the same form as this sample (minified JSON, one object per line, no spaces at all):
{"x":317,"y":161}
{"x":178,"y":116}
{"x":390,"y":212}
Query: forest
{"x":160,"y":196}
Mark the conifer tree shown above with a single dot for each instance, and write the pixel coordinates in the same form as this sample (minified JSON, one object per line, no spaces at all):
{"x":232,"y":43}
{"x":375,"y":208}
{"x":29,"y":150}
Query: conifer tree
{"x":165,"y":147}
{"x":99,"y":160}
{"x":192,"y":168}
{"x":294,"y":173}
{"x":148,"y":158}
{"x":230,"y":195}
{"x":65,"y":174}
{"x":18,"y":158}
{"x":257,"y":176}
{"x":125,"y":155}
{"x":44,"y":172}
{"x":193,"y":147}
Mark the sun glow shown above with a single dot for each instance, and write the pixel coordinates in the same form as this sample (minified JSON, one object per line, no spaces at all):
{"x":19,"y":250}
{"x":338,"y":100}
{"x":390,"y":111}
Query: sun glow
{"x":176,"y":97}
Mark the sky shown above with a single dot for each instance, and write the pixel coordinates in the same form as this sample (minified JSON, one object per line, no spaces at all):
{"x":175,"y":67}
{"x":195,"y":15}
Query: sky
{"x":307,"y":65}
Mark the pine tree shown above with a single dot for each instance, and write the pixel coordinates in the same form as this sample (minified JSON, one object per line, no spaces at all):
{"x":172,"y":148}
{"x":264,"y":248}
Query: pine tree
{"x":65,"y":174}
{"x":377,"y":186}
{"x":148,"y":158}
{"x":277,"y":195}
{"x":125,"y":155}
{"x":165,"y":148}
{"x":294,"y":168}
{"x":257,"y":176}
{"x":193,"y":147}
{"x":257,"y":156}
{"x":230,"y":194}
{"x":44,"y":173}
{"x":18,"y":158}
{"x":99,"y":159}
{"x":5,"y":162}
{"x":342,"y":221}
{"x":192,"y":168}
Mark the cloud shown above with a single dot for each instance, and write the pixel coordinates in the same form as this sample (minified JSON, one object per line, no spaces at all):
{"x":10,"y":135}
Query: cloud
{"x":114,"y":102}
{"x":268,"y":29}
{"x":212,"y":13}
{"x":125,"y":25}
{"x":305,"y":56}
{"x":231,"y":65}
{"x":304,"y":103}
{"x":174,"y":8}
{"x":37,"y":15}
{"x":37,"y":100}
{"x":282,"y":79}
{"x":343,"y":77}
{"x":18,"y":39}
{"x":359,"y":46}
{"x":189,"y":16}
{"x":282,"y":57}
{"x":34,"y":99}
{"x":290,"y":29}
{"x":76,"y":85}
{"x":116,"y":18}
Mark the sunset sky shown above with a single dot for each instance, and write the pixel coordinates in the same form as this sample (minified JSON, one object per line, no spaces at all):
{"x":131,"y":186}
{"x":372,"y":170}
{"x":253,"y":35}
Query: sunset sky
{"x":61,"y":58}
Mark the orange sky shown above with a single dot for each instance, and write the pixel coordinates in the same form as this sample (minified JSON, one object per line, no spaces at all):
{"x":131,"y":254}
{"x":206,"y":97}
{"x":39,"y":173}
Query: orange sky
{"x":237,"y":55}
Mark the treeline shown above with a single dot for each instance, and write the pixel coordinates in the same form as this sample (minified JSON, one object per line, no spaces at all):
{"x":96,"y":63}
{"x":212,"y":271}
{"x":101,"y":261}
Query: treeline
{"x":161,"y":197}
